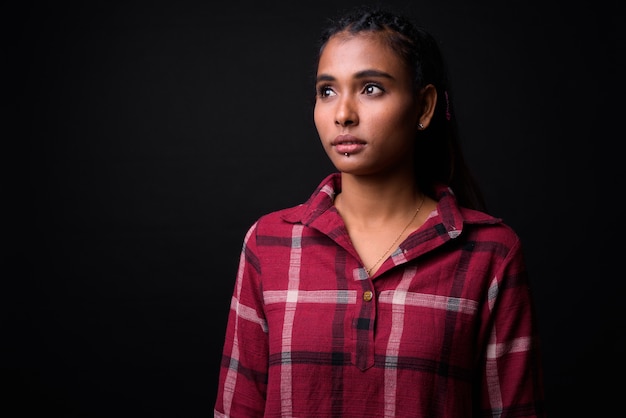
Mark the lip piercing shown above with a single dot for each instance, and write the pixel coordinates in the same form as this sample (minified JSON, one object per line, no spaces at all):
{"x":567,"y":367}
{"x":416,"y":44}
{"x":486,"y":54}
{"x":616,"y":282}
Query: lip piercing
{"x":346,"y":154}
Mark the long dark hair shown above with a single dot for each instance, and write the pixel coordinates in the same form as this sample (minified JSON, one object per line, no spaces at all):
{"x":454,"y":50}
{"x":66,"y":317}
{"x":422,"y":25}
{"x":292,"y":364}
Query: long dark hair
{"x":442,"y":160}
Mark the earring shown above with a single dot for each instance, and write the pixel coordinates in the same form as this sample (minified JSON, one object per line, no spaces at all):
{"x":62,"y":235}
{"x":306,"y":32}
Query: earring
{"x":420,"y":126}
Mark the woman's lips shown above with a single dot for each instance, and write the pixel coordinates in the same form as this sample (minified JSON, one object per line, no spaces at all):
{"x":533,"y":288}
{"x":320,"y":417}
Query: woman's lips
{"x":349,"y":148}
{"x":348,"y":144}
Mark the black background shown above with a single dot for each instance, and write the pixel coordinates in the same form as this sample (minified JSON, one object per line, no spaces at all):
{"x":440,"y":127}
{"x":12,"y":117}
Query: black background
{"x":151,"y":135}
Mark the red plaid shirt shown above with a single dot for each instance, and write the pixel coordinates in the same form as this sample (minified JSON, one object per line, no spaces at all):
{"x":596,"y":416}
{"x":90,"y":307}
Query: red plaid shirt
{"x":445,"y":328}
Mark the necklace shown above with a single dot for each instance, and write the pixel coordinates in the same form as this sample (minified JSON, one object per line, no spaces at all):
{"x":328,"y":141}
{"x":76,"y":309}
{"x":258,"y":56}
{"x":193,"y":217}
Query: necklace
{"x":368,"y":270}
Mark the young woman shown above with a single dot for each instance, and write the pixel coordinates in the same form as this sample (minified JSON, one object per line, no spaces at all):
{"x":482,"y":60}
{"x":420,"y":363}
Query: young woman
{"x":390,"y":292}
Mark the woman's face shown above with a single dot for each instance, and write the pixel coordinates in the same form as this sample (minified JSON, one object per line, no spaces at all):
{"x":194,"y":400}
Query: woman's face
{"x":366,"y":112}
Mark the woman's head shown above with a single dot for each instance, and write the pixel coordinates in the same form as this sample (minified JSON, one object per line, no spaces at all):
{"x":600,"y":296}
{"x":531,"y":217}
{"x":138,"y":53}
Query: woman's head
{"x":414,"y":45}
{"x":367,"y":112}
{"x":437,"y":153}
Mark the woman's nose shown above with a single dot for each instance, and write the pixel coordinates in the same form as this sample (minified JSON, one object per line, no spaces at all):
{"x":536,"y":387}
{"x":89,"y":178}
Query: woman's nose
{"x":346,"y":113}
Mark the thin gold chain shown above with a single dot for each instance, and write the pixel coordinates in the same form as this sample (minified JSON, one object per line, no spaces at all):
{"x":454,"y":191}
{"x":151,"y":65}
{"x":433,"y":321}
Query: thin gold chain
{"x":368,"y":270}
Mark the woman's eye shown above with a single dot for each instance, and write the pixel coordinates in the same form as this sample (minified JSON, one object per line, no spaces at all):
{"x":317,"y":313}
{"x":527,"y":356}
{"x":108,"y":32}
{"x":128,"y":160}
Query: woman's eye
{"x":371,"y":89}
{"x":325,"y":91}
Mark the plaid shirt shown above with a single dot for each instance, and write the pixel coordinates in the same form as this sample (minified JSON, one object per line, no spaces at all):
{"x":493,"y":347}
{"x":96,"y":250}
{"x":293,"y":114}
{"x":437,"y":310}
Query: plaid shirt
{"x":445,"y":328}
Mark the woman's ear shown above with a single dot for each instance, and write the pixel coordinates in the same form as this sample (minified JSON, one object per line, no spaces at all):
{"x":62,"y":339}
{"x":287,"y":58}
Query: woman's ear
{"x":428,"y":102}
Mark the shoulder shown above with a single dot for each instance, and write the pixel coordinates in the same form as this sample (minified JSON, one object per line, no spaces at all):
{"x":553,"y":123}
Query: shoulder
{"x":287,"y":215}
{"x":308,"y":212}
{"x":474,"y":226}
{"x":486,"y":221}
{"x":486,"y":227}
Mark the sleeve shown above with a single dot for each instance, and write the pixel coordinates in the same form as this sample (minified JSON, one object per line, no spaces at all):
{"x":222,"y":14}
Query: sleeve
{"x":512,"y":377}
{"x":242,"y":381}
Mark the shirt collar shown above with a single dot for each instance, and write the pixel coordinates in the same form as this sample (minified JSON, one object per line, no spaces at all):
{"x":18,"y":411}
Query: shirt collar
{"x":451,"y":216}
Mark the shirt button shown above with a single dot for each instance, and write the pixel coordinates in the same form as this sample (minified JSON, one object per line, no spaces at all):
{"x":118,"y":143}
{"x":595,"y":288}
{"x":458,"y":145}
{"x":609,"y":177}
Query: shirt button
{"x":367,"y":295}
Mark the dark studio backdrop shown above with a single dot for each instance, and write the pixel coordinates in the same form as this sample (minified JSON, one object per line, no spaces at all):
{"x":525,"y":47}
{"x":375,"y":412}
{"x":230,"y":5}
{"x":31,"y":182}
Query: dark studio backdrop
{"x":157,"y":132}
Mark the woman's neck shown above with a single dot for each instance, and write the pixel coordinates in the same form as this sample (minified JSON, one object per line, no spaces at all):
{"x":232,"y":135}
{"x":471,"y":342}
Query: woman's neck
{"x":368,"y":200}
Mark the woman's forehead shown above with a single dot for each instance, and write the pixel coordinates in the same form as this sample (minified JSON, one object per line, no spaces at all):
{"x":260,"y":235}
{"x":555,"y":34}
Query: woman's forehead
{"x":354,"y":52}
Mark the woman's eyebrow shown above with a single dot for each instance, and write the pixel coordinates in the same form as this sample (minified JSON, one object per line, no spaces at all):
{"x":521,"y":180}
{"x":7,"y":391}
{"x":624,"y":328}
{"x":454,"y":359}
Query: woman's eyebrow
{"x":372,"y":73}
{"x":359,"y":75}
{"x":325,"y":77}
